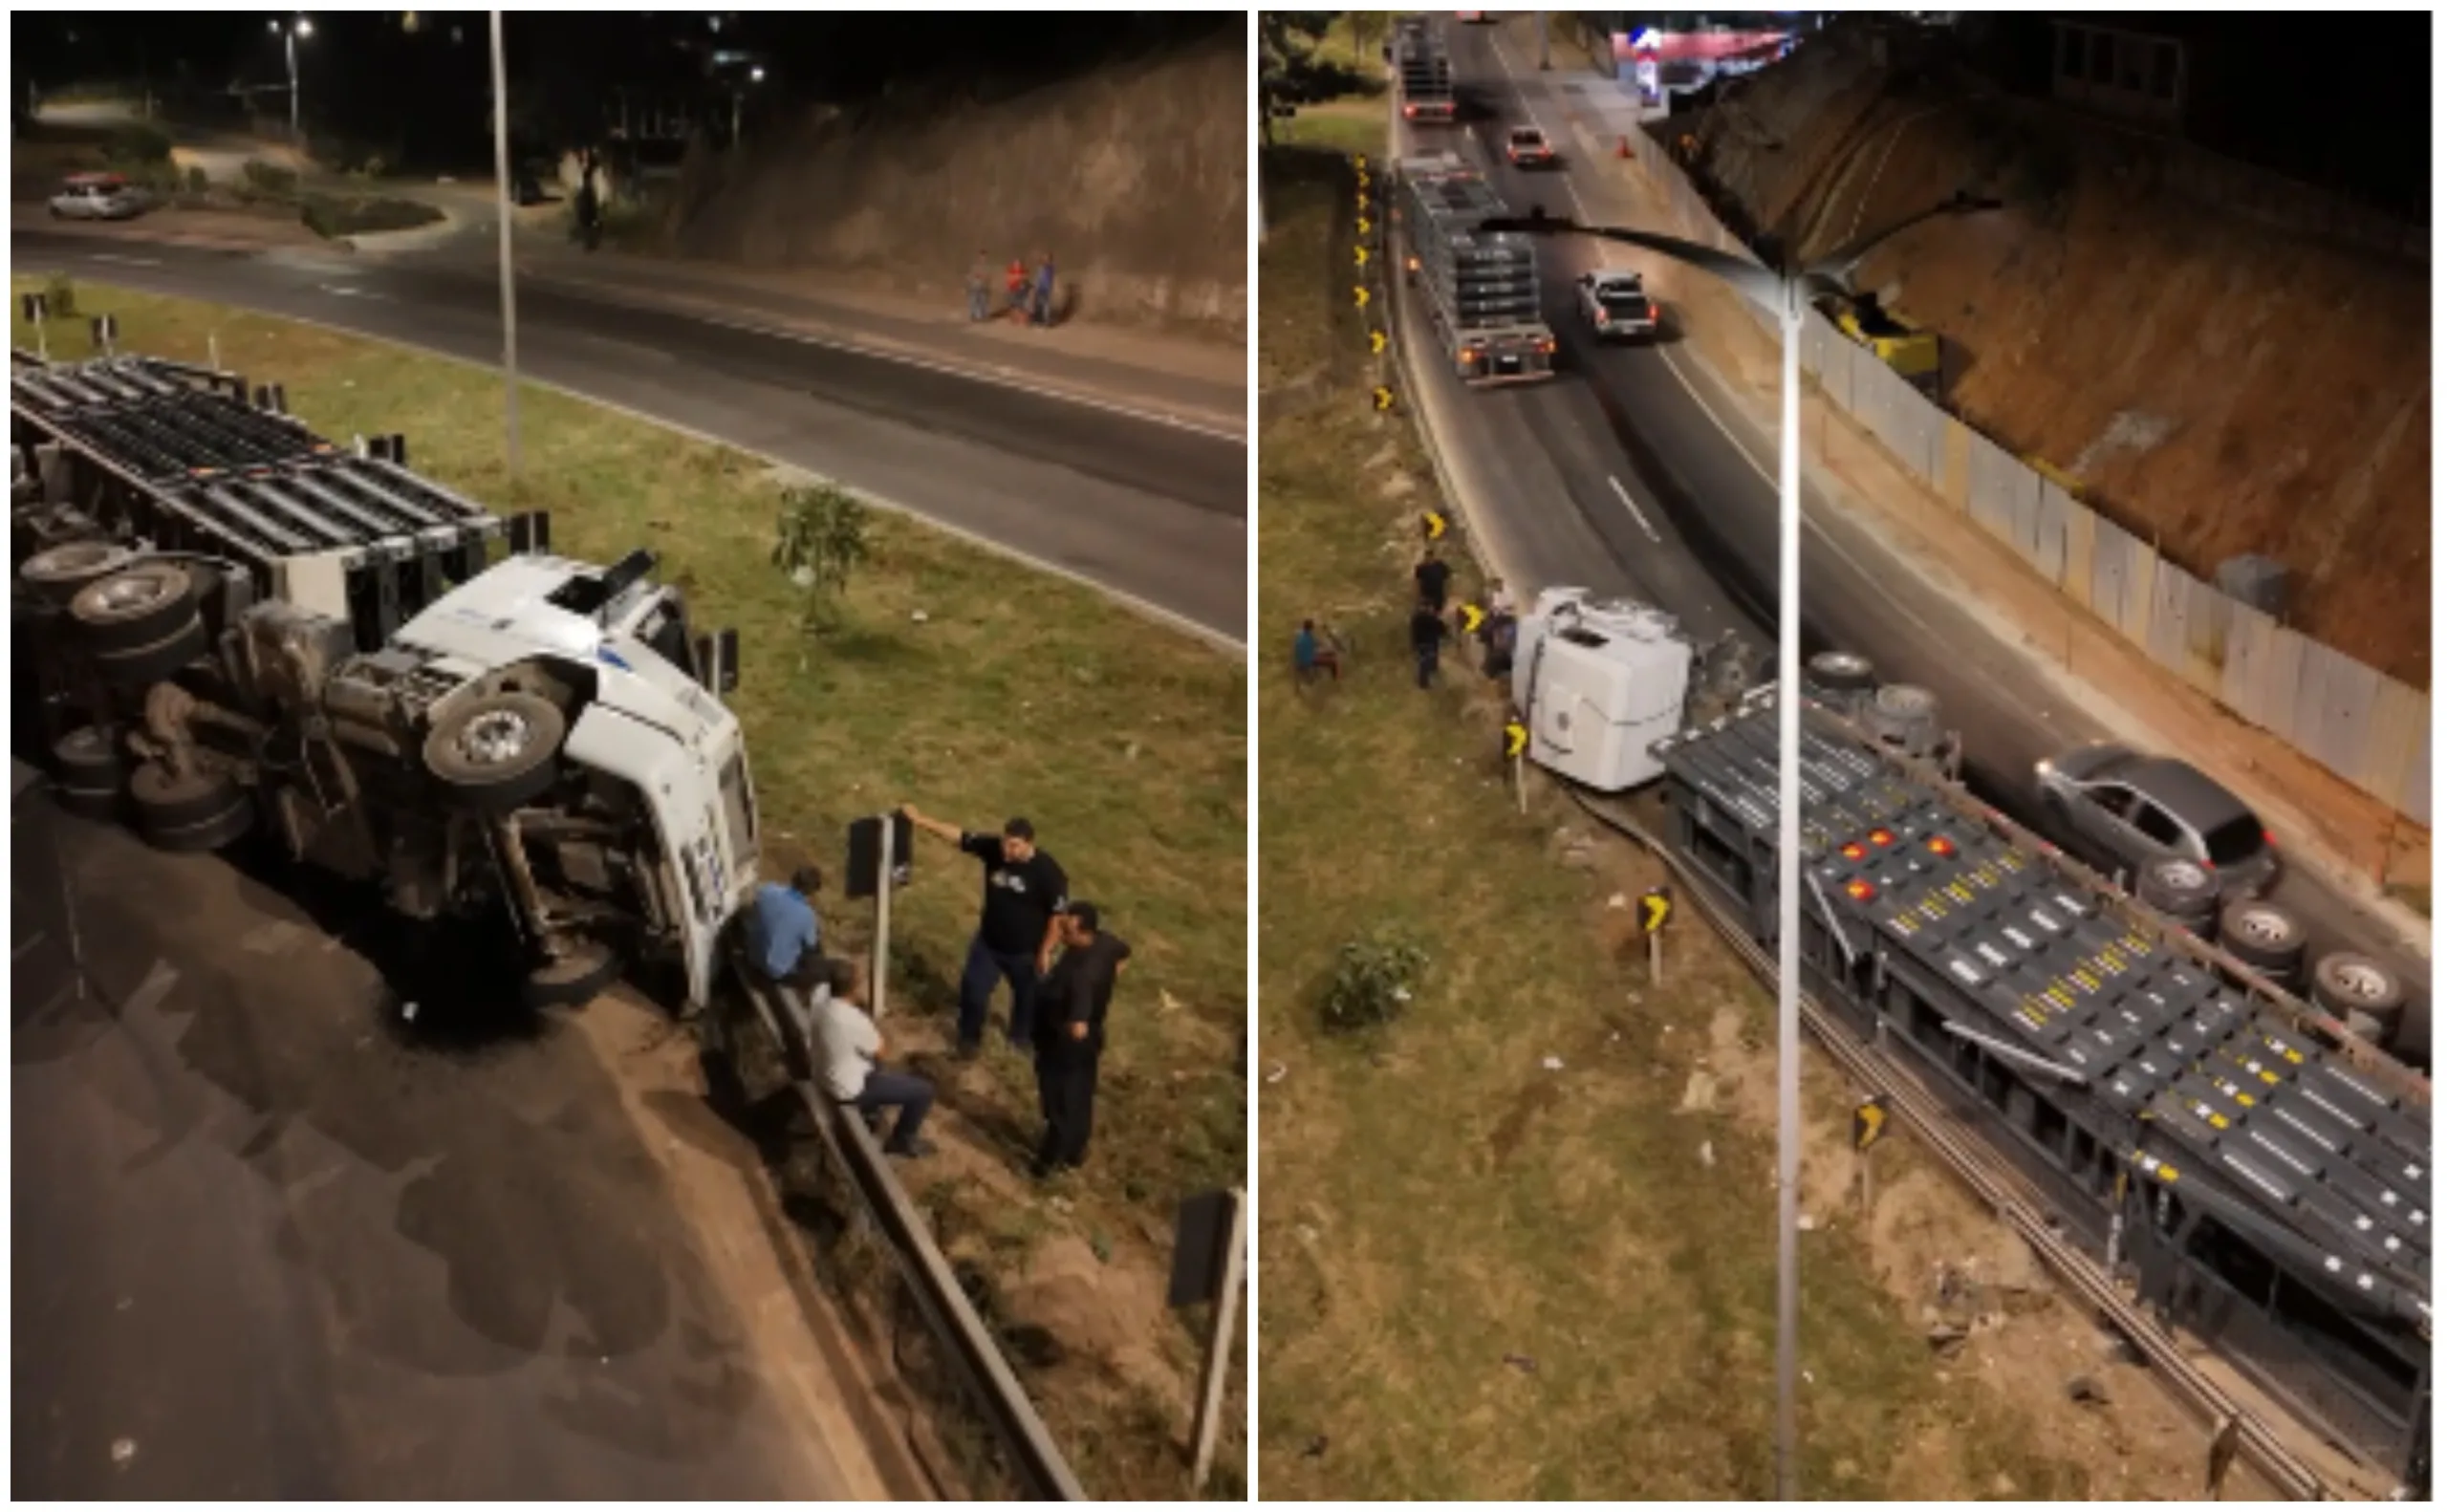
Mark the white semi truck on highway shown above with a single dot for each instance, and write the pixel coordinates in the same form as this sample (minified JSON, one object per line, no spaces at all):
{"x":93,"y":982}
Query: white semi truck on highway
{"x":223,"y":622}
{"x":1482,"y":286}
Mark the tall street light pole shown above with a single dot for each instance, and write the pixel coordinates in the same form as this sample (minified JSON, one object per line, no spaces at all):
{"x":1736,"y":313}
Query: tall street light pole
{"x":509,"y":266}
{"x":755,"y":75}
{"x":289,"y":36}
{"x":1784,"y":294}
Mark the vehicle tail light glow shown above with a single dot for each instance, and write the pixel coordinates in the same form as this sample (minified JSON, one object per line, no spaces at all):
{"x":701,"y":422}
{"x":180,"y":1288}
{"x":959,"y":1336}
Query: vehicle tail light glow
{"x":2268,"y":837}
{"x":1858,"y":891}
{"x":1546,"y":348}
{"x":1410,"y":110}
{"x":1882,"y":836}
{"x":1853,"y":851}
{"x":1601,"y":320}
{"x":1939,"y":845}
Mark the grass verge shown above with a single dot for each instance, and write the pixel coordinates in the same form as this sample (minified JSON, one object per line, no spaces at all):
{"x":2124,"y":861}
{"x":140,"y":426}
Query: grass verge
{"x":1521,"y":1245}
{"x":977,"y":691}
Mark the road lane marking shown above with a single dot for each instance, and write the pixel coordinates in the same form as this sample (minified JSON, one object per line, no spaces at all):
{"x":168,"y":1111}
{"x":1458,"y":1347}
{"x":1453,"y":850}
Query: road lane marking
{"x":349,"y":292}
{"x":118,"y":257}
{"x":1231,"y":643}
{"x":1624,"y":494}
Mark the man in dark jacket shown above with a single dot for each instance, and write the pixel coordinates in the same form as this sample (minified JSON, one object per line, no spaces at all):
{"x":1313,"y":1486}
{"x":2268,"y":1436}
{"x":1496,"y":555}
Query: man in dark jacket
{"x":1017,"y":926}
{"x":1428,"y":633}
{"x":1071,"y":1036}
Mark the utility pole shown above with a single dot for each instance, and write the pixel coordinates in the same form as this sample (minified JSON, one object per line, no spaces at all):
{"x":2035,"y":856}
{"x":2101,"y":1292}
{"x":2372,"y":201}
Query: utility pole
{"x":509,"y":266}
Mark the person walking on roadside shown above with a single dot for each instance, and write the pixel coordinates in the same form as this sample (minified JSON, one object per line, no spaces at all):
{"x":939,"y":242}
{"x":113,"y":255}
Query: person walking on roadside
{"x":849,"y":1056}
{"x":980,"y":273}
{"x":1071,"y":1036}
{"x":1017,"y":926}
{"x":1015,"y":289}
{"x":1045,"y":291}
{"x":1428,"y":633}
{"x":1433,"y":575}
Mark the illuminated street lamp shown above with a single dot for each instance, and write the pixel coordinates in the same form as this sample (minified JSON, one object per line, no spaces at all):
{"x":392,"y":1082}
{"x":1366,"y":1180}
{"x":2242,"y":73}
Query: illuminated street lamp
{"x":290,"y":33}
{"x":755,"y":75}
{"x":1784,"y":293}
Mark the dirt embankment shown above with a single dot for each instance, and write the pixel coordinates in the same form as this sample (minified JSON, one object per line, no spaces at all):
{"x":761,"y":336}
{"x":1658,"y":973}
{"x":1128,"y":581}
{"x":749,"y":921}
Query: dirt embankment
{"x":2218,"y":383}
{"x":1134,"y":179}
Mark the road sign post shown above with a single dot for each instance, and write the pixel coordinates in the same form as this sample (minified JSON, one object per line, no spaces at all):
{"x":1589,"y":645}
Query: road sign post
{"x":879,"y":847}
{"x":1656,"y":906}
{"x":1516,"y":741}
{"x":105,"y":331}
{"x":1209,"y":1240}
{"x":1870,"y":1117}
{"x":37,"y":309}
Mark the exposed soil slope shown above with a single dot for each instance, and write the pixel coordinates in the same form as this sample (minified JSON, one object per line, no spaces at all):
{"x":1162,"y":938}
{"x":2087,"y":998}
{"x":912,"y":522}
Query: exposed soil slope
{"x":2218,"y":383}
{"x":1134,"y":179}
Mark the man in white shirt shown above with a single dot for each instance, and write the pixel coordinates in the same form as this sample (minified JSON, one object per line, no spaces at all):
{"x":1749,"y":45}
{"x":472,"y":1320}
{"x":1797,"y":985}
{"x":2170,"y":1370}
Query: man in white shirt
{"x":849,"y":1055}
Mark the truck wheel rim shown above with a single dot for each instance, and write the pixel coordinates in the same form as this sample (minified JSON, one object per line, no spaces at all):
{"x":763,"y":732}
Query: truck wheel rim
{"x":494,"y":737}
{"x":2262,"y":927}
{"x":2183,"y":873}
{"x":2356,"y":980}
{"x":136,"y":591}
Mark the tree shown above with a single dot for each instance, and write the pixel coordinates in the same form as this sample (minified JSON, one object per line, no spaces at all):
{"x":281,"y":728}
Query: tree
{"x":1368,"y":30}
{"x":1286,"y":60}
{"x":822,"y":535}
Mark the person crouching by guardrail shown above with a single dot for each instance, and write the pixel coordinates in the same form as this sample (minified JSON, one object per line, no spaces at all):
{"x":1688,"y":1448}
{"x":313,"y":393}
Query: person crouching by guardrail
{"x":1043,"y":314}
{"x":785,"y":937}
{"x":850,"y":1052}
{"x":1071,"y":1036}
{"x":1017,"y":926}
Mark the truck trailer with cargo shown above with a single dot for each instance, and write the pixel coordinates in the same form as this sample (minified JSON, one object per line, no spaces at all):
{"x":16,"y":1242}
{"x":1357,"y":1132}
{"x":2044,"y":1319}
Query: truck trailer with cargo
{"x":1481,"y":287}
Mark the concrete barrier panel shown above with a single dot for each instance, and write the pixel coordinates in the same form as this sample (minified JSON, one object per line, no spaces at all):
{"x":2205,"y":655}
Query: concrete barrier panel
{"x":2170,"y":599}
{"x":1957,"y":488}
{"x":2244,"y":686}
{"x":2204,"y":636}
{"x":2080,"y":536}
{"x":2111,"y":563}
{"x":2047,"y":537}
{"x":2398,"y":717}
{"x":2415,"y":803}
{"x":2309,"y":728}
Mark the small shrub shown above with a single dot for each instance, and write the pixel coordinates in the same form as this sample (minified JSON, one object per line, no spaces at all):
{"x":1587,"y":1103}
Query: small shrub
{"x":822,"y":535}
{"x":61,"y":294}
{"x":1373,"y":981}
{"x":136,"y":145}
{"x":270,"y":179}
{"x":197,"y":180}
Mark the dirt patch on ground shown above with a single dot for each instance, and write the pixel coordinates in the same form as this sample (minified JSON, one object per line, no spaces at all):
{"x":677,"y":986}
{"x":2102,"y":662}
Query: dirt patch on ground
{"x":1134,"y":179}
{"x":2219,"y":384}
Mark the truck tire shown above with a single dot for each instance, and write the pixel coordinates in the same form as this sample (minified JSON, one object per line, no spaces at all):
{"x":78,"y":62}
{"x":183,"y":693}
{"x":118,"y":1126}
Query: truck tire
{"x":1840,"y":672}
{"x":2345,"y":985}
{"x":89,"y":772}
{"x":203,"y":811}
{"x":59,"y":573}
{"x":573,"y":981}
{"x":136,"y":606}
{"x":2264,"y":936}
{"x":2183,"y":890}
{"x":131,"y":667}
{"x":494,"y":753}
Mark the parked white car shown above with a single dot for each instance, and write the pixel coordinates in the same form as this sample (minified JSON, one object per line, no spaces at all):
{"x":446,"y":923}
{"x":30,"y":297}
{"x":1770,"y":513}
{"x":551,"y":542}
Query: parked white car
{"x":99,"y":197}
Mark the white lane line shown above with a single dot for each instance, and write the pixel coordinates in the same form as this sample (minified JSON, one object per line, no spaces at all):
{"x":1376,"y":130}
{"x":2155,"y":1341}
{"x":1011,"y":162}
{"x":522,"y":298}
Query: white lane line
{"x":1624,"y":494}
{"x":347,"y":291}
{"x":118,"y":257}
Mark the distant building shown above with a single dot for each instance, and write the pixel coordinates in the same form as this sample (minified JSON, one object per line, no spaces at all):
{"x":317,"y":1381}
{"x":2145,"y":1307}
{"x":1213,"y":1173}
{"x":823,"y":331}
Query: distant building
{"x":2133,"y":76}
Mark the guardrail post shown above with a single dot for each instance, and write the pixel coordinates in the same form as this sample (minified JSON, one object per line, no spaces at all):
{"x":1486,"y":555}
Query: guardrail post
{"x":1219,"y":1343}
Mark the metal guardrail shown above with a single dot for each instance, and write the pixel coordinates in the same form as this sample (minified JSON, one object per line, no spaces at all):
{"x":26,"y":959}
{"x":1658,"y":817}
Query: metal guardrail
{"x":949,"y":1315}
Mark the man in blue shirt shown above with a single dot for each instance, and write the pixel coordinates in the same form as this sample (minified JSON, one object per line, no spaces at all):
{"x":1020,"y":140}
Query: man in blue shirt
{"x":783,"y":933}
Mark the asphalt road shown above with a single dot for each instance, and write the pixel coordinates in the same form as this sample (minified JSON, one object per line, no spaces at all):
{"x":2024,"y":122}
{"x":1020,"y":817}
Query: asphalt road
{"x":1153,"y":512}
{"x":1694,"y":528}
{"x":268,"y":1243}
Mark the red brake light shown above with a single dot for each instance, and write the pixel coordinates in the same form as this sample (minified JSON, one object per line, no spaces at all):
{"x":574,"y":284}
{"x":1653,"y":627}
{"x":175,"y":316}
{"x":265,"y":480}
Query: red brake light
{"x":1410,"y":110}
{"x":2268,"y":837}
{"x":1939,"y":845}
{"x":1881,"y":837}
{"x":1852,"y":850}
{"x":1652,"y":310}
{"x":1858,"y":891}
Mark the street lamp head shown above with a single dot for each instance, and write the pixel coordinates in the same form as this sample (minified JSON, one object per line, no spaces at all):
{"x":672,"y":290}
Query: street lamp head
{"x":756,"y":75}
{"x":305,"y":27}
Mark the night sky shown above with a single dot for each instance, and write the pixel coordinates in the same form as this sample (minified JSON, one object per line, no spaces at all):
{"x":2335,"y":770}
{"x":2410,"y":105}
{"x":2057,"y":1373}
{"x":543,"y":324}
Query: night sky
{"x":425,"y":94}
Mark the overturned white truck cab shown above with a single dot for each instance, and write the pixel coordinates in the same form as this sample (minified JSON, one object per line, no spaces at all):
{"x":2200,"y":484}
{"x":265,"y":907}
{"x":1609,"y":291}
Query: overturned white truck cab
{"x":225,"y":623}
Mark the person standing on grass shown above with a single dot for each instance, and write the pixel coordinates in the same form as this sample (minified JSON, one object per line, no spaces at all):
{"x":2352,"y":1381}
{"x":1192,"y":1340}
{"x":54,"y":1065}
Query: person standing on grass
{"x":1310,"y":656}
{"x":784,"y":935}
{"x":980,"y":273}
{"x":1428,"y":631}
{"x":1432,"y":574}
{"x":1045,"y":291}
{"x":851,"y":1049}
{"x":1071,"y":1036}
{"x":1017,"y":927}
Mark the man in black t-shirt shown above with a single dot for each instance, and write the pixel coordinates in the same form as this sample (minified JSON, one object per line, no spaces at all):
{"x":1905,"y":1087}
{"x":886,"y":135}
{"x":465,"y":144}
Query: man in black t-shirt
{"x":1071,"y":1036}
{"x":1428,"y":635}
{"x":1016,"y":928}
{"x":1432,"y":575}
